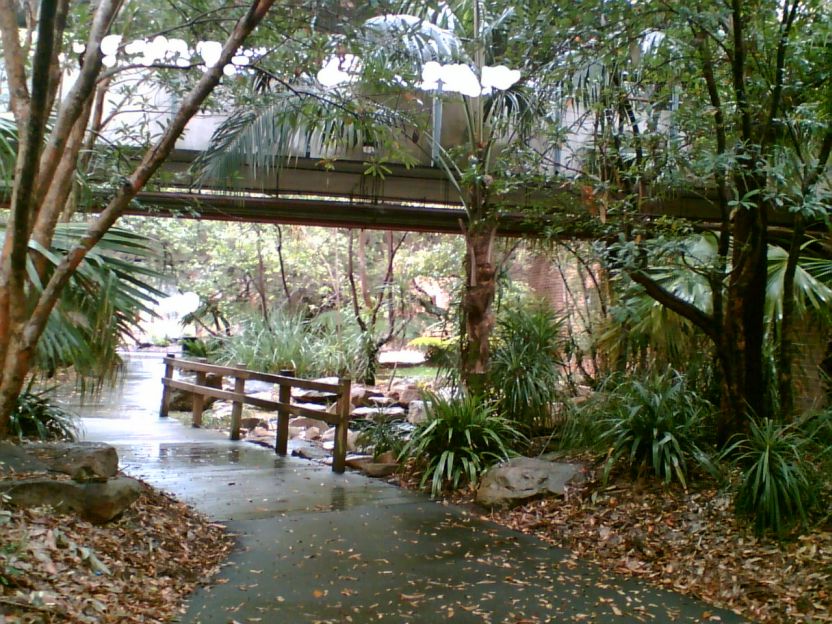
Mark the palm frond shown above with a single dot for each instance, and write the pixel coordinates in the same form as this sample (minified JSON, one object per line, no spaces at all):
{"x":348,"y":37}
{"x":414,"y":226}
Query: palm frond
{"x":811,"y":293}
{"x":262,"y":136}
{"x":102,"y":302}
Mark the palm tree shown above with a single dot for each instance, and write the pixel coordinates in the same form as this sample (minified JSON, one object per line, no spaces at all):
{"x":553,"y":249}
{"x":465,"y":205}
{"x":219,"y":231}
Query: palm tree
{"x":392,"y":50}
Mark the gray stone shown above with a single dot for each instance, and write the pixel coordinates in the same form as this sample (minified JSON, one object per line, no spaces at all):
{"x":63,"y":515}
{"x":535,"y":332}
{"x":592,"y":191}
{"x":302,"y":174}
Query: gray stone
{"x":96,"y":502}
{"x":303,"y":421}
{"x":182,"y":400}
{"x":522,"y":478}
{"x":328,"y":439}
{"x":312,"y":406}
{"x":14,"y":459}
{"x":360,"y":395}
{"x":312,"y":396}
{"x":416,"y":412}
{"x":83,"y":461}
{"x":405,"y":393}
{"x":252,"y":421}
{"x":381,"y":414}
{"x":357,"y":461}
{"x":379,"y":470}
{"x":311,"y":433}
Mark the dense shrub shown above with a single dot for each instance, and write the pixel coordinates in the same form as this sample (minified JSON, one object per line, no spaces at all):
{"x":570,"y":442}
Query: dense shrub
{"x":380,"y":437}
{"x":779,"y":484}
{"x":460,"y":439}
{"x":525,"y":364}
{"x":38,"y":416}
{"x":317,"y":347}
{"x":658,"y":425}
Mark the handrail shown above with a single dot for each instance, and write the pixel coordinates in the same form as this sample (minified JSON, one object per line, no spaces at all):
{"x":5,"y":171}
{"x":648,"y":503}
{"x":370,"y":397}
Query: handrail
{"x":285,"y":381}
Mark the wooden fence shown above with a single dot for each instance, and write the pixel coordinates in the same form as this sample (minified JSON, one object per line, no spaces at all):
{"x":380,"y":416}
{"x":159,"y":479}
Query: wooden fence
{"x":285,"y":382}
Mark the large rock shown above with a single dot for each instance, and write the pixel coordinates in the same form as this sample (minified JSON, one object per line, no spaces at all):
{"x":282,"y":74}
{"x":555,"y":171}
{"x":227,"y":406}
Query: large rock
{"x":328,"y":439}
{"x":96,"y":502}
{"x":302,"y":395}
{"x":416,"y":412}
{"x":306,"y":423}
{"x":360,"y":395}
{"x":14,"y":459}
{"x":83,"y":461}
{"x":522,"y":478}
{"x":379,"y":470}
{"x":405,"y":393}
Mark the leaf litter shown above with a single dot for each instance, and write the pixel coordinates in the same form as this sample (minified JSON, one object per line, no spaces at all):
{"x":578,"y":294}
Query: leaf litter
{"x":689,"y":542}
{"x":135,"y":569}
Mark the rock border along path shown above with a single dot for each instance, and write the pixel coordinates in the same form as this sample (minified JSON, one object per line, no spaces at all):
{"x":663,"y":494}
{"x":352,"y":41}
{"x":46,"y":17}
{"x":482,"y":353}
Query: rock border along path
{"x":314,"y":546}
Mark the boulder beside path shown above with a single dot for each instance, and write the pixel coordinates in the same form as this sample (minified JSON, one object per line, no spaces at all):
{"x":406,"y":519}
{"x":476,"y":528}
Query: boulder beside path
{"x":94,"y":492}
{"x":522,"y":478}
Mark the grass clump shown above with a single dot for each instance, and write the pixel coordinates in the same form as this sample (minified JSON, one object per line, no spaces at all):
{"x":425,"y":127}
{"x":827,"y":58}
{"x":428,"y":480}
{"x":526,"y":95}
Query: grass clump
{"x":37,"y":416}
{"x":461,"y":438}
{"x":657,"y":425}
{"x":778,"y":484}
{"x":525,"y":364}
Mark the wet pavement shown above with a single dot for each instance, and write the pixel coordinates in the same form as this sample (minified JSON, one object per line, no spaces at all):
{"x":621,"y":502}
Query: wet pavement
{"x":314,"y":546}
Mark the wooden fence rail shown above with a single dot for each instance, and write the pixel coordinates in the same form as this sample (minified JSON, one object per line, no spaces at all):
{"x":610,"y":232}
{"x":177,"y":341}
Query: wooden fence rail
{"x":283,"y":406}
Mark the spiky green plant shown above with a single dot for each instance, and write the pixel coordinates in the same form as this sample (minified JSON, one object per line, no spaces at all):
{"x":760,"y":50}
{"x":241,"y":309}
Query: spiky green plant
{"x":316,"y":347}
{"x":525,"y":363}
{"x":658,"y":425}
{"x":381,"y":437}
{"x":38,"y":416}
{"x":778,"y":485}
{"x":460,"y":439}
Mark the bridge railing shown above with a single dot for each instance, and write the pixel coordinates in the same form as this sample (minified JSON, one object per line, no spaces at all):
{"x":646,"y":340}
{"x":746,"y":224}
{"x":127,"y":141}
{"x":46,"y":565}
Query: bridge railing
{"x":285,"y":381}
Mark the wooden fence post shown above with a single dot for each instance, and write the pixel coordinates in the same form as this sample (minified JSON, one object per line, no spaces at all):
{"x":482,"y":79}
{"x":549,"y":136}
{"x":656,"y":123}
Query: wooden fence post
{"x":339,"y":452}
{"x":198,"y":401}
{"x":284,"y":395}
{"x":237,"y":407}
{"x":164,"y":408}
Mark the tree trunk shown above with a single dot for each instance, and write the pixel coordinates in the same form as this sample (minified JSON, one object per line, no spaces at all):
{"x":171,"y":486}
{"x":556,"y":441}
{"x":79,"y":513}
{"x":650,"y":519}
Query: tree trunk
{"x":22,"y":324}
{"x":480,"y":288}
{"x":740,"y":345}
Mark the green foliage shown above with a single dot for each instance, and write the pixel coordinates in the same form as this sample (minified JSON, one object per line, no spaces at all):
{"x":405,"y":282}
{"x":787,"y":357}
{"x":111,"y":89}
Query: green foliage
{"x":658,"y":424}
{"x":101,"y":304}
{"x":381,"y":437}
{"x":582,"y":426}
{"x":460,"y":439}
{"x":312,"y":348}
{"x":778,"y":486}
{"x":525,"y":365}
{"x":198,"y":347}
{"x":36,"y":416}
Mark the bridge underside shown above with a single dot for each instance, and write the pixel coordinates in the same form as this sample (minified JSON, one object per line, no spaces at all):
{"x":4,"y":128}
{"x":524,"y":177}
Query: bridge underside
{"x":304,"y":191}
{"x":307,"y":191}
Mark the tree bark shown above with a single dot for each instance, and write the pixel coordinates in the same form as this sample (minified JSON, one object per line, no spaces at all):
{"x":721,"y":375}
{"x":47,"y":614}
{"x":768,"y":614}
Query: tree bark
{"x":21,"y":331}
{"x":480,"y":289}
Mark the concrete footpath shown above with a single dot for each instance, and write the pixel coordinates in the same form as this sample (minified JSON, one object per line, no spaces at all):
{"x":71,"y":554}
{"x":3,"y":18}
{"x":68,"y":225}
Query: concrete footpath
{"x":319,"y":547}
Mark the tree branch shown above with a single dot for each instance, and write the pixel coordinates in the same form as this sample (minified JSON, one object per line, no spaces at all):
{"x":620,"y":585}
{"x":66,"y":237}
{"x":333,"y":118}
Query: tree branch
{"x":151,"y":161}
{"x":16,"y":243}
{"x":15,"y":62}
{"x":72,"y":106}
{"x":679,"y":306}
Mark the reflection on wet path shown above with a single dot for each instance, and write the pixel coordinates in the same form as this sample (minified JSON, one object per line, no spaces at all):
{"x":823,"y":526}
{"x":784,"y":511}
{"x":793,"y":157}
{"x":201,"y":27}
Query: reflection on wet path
{"x":224,"y":479}
{"x":137,"y":393}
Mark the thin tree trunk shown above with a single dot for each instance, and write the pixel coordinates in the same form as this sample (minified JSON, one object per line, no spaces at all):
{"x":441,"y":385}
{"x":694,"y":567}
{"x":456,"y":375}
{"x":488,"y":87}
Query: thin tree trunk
{"x":786,"y":352}
{"x":480,"y":289}
{"x":20,"y":326}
